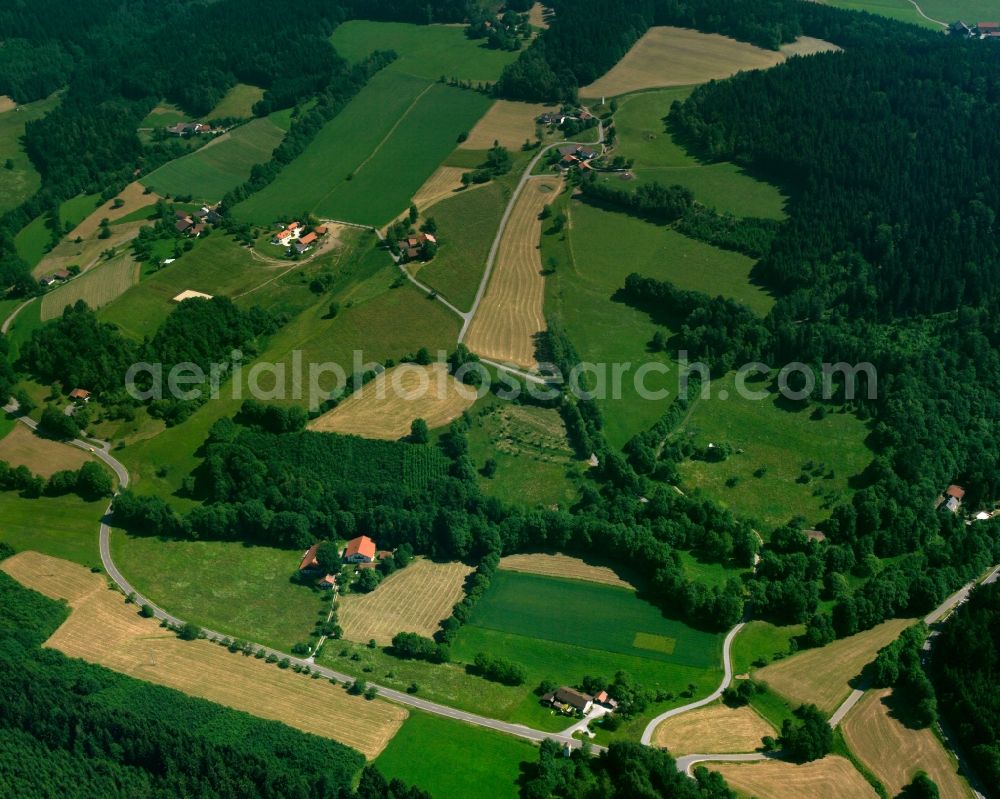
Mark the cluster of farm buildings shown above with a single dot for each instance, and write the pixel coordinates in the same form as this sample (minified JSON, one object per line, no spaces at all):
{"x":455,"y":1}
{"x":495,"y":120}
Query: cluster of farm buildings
{"x":570,"y":701}
{"x":361,"y":552}
{"x":414,"y":247}
{"x":979,"y":30}
{"x":297,"y":236}
{"x":192,"y":129}
{"x":59,"y":276}
{"x":576,"y":155}
{"x":193,"y":225}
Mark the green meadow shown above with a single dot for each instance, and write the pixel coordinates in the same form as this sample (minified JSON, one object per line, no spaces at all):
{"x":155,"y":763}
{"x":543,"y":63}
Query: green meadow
{"x":238,"y":102}
{"x":562,"y":630}
{"x":761,"y":640}
{"x":967,"y":10}
{"x":904,"y":11}
{"x":424,"y":51}
{"x":220,"y":165}
{"x":369,"y":160}
{"x":805,"y":463}
{"x":163,"y":116}
{"x":643,"y":136}
{"x":73,"y":211}
{"x":32,"y":241}
{"x":22,"y":180}
{"x":63,"y":527}
{"x":432,"y":753}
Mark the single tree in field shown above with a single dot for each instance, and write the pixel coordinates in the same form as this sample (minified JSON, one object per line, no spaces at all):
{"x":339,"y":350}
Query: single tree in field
{"x":189,"y":631}
{"x":368,"y":581}
{"x":922,"y":787}
{"x":419,"y":433}
{"x":328,"y":557}
{"x":414,"y":213}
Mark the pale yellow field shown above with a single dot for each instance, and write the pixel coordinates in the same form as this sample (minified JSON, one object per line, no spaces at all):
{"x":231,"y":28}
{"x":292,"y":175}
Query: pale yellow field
{"x":103,"y":629}
{"x":21,"y":447}
{"x":507,"y":122}
{"x":6,"y":104}
{"x":102,"y":284}
{"x":807,"y":45}
{"x":895,"y":752}
{"x":134,"y":197}
{"x":509,"y":318}
{"x":667,"y":56}
{"x":87,"y":253}
{"x":444,"y":182}
{"x":715,"y":728}
{"x":821,"y":675}
{"x":833,"y":777}
{"x":386,"y":406}
{"x":538,"y":16}
{"x":564,"y":566}
{"x":413,"y":600}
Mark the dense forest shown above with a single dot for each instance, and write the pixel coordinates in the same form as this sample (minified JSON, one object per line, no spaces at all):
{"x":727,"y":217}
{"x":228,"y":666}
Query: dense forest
{"x":965,"y":668}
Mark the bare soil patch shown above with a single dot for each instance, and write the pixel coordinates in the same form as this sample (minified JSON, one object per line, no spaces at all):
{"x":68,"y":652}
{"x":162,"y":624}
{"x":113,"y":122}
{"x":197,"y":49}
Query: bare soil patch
{"x":6,"y":104}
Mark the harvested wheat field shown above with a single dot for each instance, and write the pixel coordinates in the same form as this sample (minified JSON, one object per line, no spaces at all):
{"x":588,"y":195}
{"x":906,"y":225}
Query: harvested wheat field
{"x":563,"y":566}
{"x":833,"y":777}
{"x":538,"y":16}
{"x":507,"y":122}
{"x":509,"y":317}
{"x":895,"y":752}
{"x":808,"y":45}
{"x":103,"y":629}
{"x":667,"y":56}
{"x":715,"y":728}
{"x":22,"y":447}
{"x":386,"y":406}
{"x":99,"y":286}
{"x":6,"y":104}
{"x":411,"y":600}
{"x":821,"y":675}
{"x":87,"y":253}
{"x":134,"y":196}
{"x":444,"y":182}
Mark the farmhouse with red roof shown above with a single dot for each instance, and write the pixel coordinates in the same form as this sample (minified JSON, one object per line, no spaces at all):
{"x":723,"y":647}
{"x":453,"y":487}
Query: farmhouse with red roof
{"x":360,"y":550}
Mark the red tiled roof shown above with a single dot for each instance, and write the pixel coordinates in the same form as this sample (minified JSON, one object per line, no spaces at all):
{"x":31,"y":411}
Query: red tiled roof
{"x":362,"y":545}
{"x":955,"y":491}
{"x":79,"y":393}
{"x":308,"y":239}
{"x":284,"y":234}
{"x":309,"y":559}
{"x":321,"y":230}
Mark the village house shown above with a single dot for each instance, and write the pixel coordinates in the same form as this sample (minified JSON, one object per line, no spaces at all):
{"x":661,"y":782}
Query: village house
{"x":305,"y":243}
{"x":80,"y":394}
{"x":287,"y":235}
{"x":953,"y":497}
{"x":189,"y":128}
{"x":604,"y":700}
{"x":988,"y":30}
{"x":360,"y":550}
{"x":412,"y":246}
{"x":183,"y":225}
{"x":569,"y":700}
{"x":309,"y":563}
{"x":328,"y":581}
{"x":552,"y":118}
{"x":61,"y":274}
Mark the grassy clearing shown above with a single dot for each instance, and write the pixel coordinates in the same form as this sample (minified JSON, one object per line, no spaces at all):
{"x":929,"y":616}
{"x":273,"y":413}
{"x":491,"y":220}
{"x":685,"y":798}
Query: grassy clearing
{"x":366,"y":163}
{"x":566,"y":567}
{"x":220,"y":165}
{"x":242,"y":590}
{"x":63,"y":527}
{"x":821,"y":676}
{"x":74,"y":210}
{"x":667,"y":56}
{"x":426,"y":751}
{"x":20,"y":182}
{"x":833,"y":777}
{"x":767,"y":434}
{"x":385,"y":407}
{"x":895,"y":752}
{"x":163,"y":116}
{"x":428,"y":52}
{"x":142,"y":649}
{"x":535,"y":465}
{"x":44,"y":456}
{"x":467,"y":224}
{"x":714,"y":728}
{"x":968,"y":10}
{"x":707,"y":572}
{"x":510,"y":315}
{"x":901,"y":10}
{"x":643,"y":136}
{"x":97,"y":287}
{"x":32,"y":241}
{"x":412,"y":600}
{"x":508,"y":122}
{"x":238,"y":102}
{"x":761,"y":640}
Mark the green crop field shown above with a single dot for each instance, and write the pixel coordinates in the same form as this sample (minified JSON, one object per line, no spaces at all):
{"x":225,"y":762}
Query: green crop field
{"x":244,"y":591}
{"x":967,"y":10}
{"x":432,"y":753}
{"x":220,"y":165}
{"x":467,"y":224}
{"x":782,"y":440}
{"x":22,"y":180}
{"x":367,"y":162}
{"x":32,"y":241}
{"x":600,"y":250}
{"x":238,"y":102}
{"x":901,"y":10}
{"x":643,"y":136}
{"x":425,"y":51}
{"x":565,"y":629}
{"x":64,"y":527}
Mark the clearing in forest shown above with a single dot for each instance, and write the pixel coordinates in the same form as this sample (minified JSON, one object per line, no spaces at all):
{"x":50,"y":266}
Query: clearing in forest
{"x":413,"y":600}
{"x":508,"y":122}
{"x":667,"y":56}
{"x":538,"y":15}
{"x":895,"y":752}
{"x":43,"y":456}
{"x":567,"y":566}
{"x":103,"y":629}
{"x":821,"y":675}
{"x":509,"y":318}
{"x":833,"y":777}
{"x":98,"y":287}
{"x":386,"y":406}
{"x":715,"y":728}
